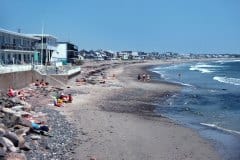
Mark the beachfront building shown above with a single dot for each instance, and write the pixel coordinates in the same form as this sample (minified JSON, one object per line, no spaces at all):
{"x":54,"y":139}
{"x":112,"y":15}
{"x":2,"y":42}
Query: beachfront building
{"x":124,"y":55}
{"x":46,"y":46}
{"x":16,"y":48}
{"x":66,"y":52}
{"x":134,"y":56}
{"x":109,"y":55}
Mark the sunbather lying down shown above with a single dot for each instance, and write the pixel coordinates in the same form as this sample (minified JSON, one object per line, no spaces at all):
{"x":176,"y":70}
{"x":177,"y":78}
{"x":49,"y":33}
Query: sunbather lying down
{"x":11,"y":92}
{"x":34,"y":124}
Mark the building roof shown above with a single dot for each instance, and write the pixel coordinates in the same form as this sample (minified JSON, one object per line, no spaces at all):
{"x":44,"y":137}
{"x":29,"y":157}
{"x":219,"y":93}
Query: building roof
{"x":18,"y":34}
{"x":66,"y":43}
{"x":42,"y":35}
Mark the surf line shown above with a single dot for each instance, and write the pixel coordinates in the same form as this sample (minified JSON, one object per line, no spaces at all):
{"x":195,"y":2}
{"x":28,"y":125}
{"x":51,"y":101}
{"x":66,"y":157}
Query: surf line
{"x":220,"y":128}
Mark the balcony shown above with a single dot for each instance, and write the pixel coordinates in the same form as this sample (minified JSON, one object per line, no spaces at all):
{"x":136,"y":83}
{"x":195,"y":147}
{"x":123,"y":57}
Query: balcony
{"x":17,"y":47}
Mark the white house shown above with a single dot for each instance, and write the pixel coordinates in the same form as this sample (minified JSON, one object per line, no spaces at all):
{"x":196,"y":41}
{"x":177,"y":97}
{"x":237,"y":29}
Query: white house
{"x":65,"y":52}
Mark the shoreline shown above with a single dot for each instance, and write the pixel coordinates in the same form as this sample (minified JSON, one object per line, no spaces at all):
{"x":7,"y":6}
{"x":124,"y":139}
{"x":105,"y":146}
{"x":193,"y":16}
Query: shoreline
{"x":227,"y":146}
{"x":123,"y":125}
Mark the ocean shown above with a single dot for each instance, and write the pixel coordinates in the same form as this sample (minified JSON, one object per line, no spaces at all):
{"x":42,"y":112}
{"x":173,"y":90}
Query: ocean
{"x":208,"y":103}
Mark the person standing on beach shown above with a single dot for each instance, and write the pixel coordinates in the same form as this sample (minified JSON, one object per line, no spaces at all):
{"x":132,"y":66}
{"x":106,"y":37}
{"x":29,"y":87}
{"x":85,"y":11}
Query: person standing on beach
{"x":56,"y":69}
{"x":148,"y":77}
{"x":179,"y":75}
{"x":144,"y":77}
{"x":139,"y":77}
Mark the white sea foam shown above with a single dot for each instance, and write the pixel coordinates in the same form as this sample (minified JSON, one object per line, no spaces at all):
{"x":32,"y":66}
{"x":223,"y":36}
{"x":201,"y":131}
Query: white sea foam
{"x":161,"y":73}
{"x":220,"y":128}
{"x":226,"y":61}
{"x":181,"y":83}
{"x":234,"y":81}
{"x":185,"y":84}
{"x":204,"y":68}
{"x":236,"y":60}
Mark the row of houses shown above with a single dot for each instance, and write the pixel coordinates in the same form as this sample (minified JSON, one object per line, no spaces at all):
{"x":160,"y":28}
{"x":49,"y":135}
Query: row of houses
{"x":111,"y":55}
{"x":21,"y":48}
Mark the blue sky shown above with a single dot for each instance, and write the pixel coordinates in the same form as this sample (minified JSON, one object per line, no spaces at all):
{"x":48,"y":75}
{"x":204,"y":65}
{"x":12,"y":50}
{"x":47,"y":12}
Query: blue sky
{"x":203,"y":26}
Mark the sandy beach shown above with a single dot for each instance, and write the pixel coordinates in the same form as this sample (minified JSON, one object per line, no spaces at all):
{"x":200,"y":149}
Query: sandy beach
{"x":116,"y":119}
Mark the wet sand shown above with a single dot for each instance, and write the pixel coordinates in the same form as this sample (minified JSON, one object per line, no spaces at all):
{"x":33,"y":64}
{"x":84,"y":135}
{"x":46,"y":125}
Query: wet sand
{"x":116,"y":120}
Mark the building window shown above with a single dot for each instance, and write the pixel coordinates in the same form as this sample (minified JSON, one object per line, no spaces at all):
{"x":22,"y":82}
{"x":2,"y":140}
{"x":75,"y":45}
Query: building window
{"x":1,"y":40}
{"x":28,"y":44}
{"x":44,"y":39}
{"x":17,"y":41}
{"x":7,"y":39}
{"x":25,"y":43}
{"x":25,"y":57}
{"x":28,"y":58}
{"x":8,"y":58}
{"x":3,"y":58}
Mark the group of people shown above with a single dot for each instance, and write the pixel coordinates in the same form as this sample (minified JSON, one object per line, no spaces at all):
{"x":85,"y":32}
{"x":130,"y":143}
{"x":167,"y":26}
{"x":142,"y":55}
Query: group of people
{"x":144,"y":77}
{"x":20,"y":93}
{"x":13,"y":93}
{"x":40,"y":83}
{"x":62,"y":99}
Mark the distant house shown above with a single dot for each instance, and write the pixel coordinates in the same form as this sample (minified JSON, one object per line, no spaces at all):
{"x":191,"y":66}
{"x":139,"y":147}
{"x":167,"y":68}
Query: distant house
{"x":110,"y":55}
{"x":66,"y":52}
{"x":99,"y":56}
{"x":135,"y":56}
{"x":124,"y":55}
{"x":89,"y":55}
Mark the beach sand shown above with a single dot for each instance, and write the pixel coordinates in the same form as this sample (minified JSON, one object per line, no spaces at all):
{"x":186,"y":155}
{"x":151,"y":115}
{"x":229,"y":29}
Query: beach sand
{"x":116,"y":120}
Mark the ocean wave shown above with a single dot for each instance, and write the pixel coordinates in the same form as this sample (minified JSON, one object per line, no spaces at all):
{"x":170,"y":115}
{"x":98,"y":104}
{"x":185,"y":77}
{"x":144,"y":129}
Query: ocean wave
{"x":207,"y":66}
{"x":161,"y":73}
{"x":227,"y":61}
{"x":181,"y":83}
{"x":234,"y":81}
{"x":185,"y":84}
{"x":220,"y":128}
{"x":203,"y":68}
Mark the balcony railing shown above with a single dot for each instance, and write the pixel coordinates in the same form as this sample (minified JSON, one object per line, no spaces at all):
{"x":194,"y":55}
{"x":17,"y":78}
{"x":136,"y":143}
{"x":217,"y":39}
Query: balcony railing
{"x":17,"y":47}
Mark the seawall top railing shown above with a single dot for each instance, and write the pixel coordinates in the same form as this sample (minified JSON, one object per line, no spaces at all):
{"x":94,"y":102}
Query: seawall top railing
{"x":44,"y":70}
{"x":14,"y":68}
{"x":62,"y":70}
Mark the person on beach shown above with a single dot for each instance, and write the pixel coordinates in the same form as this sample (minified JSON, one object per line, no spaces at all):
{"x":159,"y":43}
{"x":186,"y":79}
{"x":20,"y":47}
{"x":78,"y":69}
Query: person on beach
{"x":37,"y":83}
{"x":69,"y":98}
{"x":66,"y":98}
{"x":58,"y":102}
{"x":139,"y":77}
{"x":11,"y":92}
{"x":21,"y":95}
{"x":30,"y":121}
{"x":56,"y":69}
{"x":179,"y":75}
{"x":39,"y":126}
{"x":144,"y":77}
{"x":148,"y":77}
{"x":42,"y":82}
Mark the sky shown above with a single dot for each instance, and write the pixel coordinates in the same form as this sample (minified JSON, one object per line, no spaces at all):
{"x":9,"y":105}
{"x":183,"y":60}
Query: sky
{"x":183,"y":26}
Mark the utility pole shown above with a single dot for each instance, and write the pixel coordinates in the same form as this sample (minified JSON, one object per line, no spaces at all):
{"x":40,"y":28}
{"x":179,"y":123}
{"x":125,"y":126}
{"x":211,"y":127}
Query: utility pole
{"x":42,"y":45}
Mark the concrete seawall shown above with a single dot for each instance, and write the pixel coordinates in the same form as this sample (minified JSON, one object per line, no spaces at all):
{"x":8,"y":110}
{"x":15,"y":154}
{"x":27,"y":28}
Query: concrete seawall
{"x":15,"y":79}
{"x":21,"y":79}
